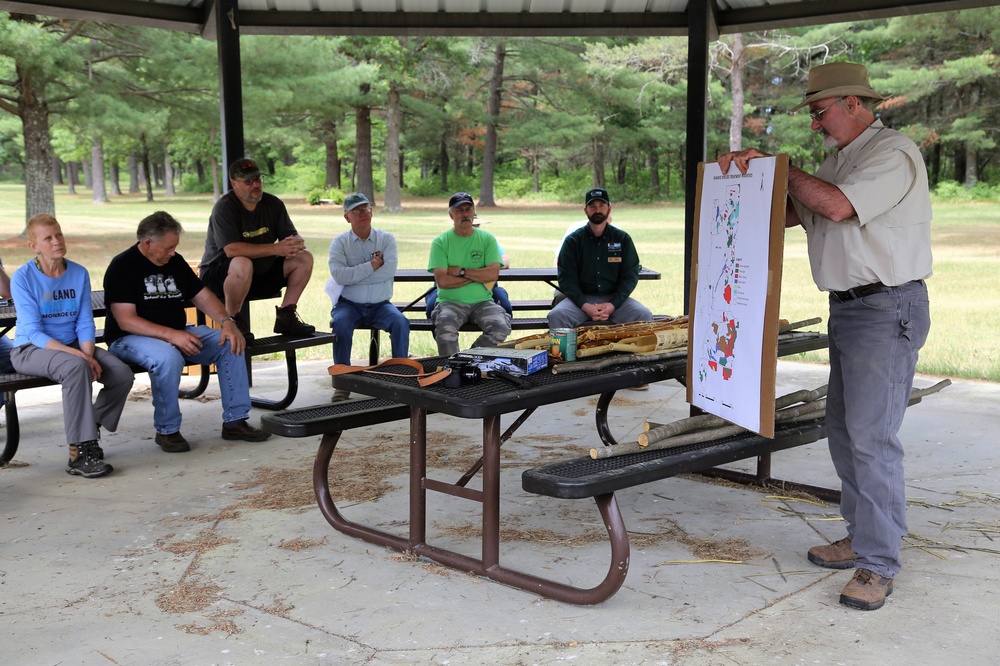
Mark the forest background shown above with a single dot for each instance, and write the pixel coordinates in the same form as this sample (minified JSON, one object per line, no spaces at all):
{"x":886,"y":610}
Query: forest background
{"x":526,"y":125}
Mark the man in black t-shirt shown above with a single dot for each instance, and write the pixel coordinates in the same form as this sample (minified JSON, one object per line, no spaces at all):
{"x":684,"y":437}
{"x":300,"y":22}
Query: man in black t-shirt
{"x":146,"y":289}
{"x":253,"y":250}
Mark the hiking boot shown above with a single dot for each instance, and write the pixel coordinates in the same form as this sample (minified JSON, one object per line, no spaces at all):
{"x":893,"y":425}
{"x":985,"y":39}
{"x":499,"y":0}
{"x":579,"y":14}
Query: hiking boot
{"x":340,"y":395}
{"x":243,"y":431}
{"x":837,"y":555}
{"x":84,"y":461}
{"x":173,"y":443}
{"x":866,"y":591}
{"x":287,"y":322}
{"x":243,"y":325}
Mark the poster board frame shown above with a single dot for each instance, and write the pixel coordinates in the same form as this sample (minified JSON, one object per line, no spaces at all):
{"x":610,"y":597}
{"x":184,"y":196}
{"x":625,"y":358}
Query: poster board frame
{"x":776,"y":230}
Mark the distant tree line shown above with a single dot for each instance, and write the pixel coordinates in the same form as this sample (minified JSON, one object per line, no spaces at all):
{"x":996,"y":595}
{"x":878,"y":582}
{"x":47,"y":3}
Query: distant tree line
{"x":125,"y":109}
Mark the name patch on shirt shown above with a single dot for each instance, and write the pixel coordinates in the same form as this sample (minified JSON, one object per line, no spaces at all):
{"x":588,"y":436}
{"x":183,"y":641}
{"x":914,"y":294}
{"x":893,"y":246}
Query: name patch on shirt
{"x":614,"y":253}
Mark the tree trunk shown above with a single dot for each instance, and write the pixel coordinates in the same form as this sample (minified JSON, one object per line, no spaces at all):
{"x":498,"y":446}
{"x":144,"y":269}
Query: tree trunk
{"x":535,"y":172}
{"x":329,"y":130}
{"x":57,"y":174}
{"x":97,"y":170}
{"x":146,"y":168}
{"x":363,"y":148}
{"x":599,"y":162}
{"x":736,"y":81}
{"x":444,"y":160}
{"x":114,"y":176}
{"x":654,"y":171}
{"x":39,"y":191}
{"x":88,"y":178}
{"x":622,"y":170}
{"x":393,"y":202}
{"x":168,"y":171}
{"x":133,"y":174}
{"x":971,"y":165}
{"x":492,"y":121}
{"x":71,"y":177}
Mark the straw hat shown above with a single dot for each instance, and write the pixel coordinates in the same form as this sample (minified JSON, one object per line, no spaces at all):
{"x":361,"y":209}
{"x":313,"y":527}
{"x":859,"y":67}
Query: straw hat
{"x":837,"y":79}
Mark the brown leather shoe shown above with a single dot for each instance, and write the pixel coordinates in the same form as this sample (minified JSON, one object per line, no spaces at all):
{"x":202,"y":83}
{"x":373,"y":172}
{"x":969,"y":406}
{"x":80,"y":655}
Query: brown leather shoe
{"x":866,"y":591}
{"x":243,"y":431}
{"x":173,"y":443}
{"x":837,"y":555}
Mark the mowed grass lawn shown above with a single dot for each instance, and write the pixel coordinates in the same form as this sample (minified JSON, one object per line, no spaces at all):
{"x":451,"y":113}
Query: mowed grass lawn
{"x":965,"y":302}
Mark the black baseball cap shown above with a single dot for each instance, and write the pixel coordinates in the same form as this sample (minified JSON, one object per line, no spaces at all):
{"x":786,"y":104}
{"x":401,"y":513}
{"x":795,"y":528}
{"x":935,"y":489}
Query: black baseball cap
{"x":243,"y":168}
{"x":596,"y":194}
{"x":459,"y":198}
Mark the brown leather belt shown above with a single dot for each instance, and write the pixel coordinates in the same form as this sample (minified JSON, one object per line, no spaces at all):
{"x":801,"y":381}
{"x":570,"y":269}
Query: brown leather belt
{"x":858,"y":292}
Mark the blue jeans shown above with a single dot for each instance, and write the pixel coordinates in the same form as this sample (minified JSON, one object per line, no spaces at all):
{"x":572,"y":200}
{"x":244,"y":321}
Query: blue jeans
{"x":164,"y":363}
{"x":349,"y":316}
{"x":874,"y":342}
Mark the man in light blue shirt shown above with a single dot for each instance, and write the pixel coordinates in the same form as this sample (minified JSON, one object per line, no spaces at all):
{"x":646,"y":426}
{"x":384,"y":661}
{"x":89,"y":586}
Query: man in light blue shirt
{"x":363,"y":262}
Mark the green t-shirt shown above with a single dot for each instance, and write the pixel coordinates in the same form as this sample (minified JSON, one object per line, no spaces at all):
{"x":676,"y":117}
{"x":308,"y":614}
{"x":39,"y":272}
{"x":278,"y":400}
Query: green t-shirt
{"x":476,"y":251}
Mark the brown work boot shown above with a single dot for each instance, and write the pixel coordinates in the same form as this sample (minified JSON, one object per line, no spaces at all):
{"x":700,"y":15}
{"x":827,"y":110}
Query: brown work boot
{"x":866,"y":591}
{"x":837,"y":555}
{"x":287,"y":322}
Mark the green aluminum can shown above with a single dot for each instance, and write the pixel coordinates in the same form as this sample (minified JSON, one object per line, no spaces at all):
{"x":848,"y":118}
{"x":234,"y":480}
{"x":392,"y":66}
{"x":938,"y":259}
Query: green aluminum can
{"x":565,"y":340}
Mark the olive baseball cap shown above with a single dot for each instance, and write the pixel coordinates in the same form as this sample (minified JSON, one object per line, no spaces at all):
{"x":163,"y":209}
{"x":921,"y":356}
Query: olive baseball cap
{"x":352,"y":201}
{"x":243,"y":168}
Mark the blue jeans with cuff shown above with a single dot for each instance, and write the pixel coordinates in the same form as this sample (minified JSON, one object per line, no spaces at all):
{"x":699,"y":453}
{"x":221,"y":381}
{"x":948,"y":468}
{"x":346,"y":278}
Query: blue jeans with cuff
{"x":164,"y":362}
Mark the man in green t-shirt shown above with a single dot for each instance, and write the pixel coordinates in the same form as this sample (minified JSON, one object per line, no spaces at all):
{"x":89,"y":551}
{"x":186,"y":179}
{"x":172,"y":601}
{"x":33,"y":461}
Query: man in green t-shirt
{"x":466,"y":263}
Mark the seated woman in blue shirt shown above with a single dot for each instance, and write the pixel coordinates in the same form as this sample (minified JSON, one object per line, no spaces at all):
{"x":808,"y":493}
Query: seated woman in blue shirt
{"x":55,"y":339}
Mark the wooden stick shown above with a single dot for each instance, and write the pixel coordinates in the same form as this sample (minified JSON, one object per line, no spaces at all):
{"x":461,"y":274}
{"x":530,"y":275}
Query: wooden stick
{"x":602,"y":363}
{"x":785,"y":328}
{"x":804,"y":412}
{"x":711,"y":421}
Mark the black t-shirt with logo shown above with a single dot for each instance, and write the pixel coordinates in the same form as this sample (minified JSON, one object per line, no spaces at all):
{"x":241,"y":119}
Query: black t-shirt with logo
{"x":158,"y":292}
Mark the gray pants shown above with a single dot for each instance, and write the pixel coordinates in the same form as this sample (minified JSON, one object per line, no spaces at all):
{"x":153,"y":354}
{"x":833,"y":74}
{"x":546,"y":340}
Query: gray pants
{"x":80,"y":417}
{"x":448,"y":317}
{"x":874,"y":344}
{"x":566,"y":315}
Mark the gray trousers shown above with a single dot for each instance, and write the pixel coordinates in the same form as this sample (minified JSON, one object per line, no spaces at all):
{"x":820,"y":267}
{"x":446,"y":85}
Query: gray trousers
{"x":448,"y":317}
{"x":80,"y":418}
{"x":874,"y":344}
{"x":566,"y":315}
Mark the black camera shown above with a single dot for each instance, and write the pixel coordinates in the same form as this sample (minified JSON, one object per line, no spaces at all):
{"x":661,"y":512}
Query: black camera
{"x":462,"y":374}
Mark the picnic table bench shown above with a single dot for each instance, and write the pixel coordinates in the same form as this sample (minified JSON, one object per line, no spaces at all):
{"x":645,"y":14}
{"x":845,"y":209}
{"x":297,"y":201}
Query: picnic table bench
{"x":398,"y":396}
{"x":11,"y":383}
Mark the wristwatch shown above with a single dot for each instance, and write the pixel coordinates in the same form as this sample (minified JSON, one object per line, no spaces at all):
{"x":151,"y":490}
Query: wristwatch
{"x":461,"y":272}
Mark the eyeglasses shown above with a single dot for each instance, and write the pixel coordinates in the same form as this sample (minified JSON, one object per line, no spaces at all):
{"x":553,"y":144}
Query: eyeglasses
{"x":818,"y":115}
{"x":250,"y":181}
{"x":358,"y":210}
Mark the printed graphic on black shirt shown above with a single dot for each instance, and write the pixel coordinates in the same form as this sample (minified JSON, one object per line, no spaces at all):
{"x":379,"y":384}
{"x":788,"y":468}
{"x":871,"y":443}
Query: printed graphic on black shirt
{"x":159,"y":287}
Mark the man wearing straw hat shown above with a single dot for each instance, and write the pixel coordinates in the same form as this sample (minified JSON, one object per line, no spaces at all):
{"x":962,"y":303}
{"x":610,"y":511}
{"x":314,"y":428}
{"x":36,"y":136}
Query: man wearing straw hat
{"x":867,"y":215}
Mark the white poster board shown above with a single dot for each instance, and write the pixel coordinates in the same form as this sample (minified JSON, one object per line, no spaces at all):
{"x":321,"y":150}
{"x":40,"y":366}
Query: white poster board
{"x":735,"y":289}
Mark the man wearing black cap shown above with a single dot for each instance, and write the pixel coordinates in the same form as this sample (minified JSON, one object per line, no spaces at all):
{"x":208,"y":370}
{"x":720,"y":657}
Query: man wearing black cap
{"x":363,"y":262}
{"x":252,"y":250}
{"x":867,"y":215}
{"x":598,"y":270}
{"x":466,"y":263}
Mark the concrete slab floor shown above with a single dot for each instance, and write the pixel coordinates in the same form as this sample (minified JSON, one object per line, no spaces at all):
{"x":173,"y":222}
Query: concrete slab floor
{"x":220,"y":556}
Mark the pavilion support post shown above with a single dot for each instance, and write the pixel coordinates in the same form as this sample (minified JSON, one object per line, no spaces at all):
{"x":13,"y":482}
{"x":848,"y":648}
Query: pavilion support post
{"x":702,"y":29}
{"x":230,"y":84}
